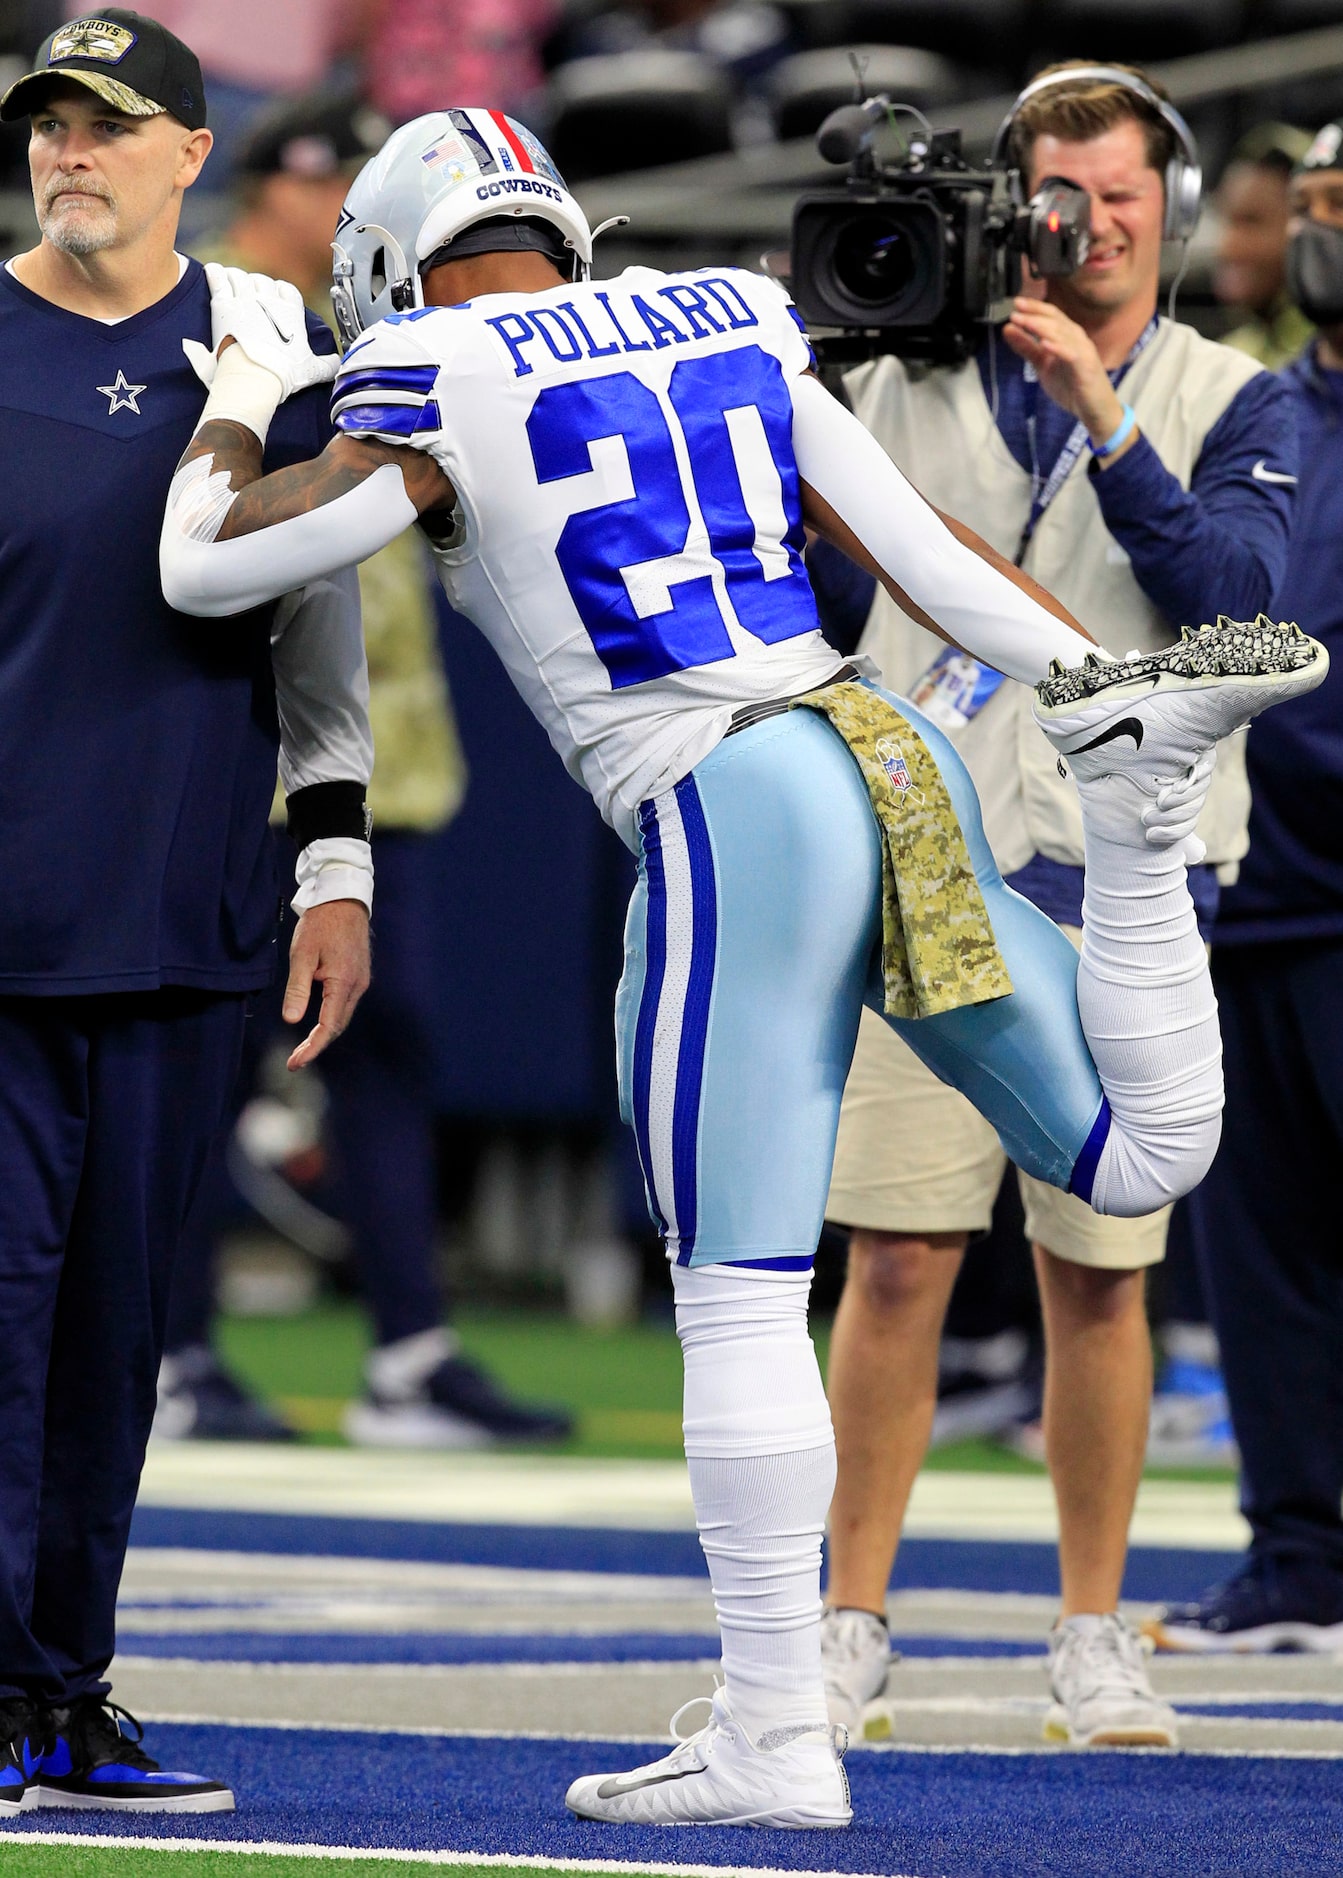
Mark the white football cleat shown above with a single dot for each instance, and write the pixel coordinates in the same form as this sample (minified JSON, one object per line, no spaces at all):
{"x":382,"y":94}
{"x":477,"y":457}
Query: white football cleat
{"x":856,"y":1658}
{"x":1102,"y":1694}
{"x":1152,"y":717}
{"x":720,"y":1777}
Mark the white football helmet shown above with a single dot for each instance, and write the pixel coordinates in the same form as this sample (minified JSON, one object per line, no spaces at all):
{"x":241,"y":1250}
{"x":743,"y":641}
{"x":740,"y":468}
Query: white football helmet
{"x":431,"y":180}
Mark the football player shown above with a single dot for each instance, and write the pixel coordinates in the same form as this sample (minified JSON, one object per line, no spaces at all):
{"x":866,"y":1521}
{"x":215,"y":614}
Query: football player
{"x":615,"y":478}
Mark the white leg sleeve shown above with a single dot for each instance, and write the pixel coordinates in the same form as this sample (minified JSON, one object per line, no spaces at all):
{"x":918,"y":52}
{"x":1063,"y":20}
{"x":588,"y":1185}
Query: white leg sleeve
{"x":1147,"y":1008}
{"x":761,"y":1453}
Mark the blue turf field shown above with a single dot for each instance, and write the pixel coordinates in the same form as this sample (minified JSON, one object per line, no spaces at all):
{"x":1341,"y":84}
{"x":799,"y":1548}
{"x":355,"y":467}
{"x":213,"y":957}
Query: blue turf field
{"x":969,"y":1815}
{"x":264,"y":1647}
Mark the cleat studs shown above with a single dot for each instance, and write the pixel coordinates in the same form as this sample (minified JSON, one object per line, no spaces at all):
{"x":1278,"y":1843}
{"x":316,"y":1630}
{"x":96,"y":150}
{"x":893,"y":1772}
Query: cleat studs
{"x":1056,"y":668}
{"x":1091,"y":662}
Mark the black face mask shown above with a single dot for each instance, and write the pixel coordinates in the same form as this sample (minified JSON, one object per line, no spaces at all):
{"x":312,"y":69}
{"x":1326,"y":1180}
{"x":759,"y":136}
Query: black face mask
{"x":1315,"y":272}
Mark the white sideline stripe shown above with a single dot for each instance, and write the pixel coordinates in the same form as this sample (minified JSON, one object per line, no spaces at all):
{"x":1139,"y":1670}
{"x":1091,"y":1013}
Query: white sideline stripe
{"x":572,"y":1490}
{"x":173,"y":1718}
{"x":429,"y":1672}
{"x":272,"y":1849}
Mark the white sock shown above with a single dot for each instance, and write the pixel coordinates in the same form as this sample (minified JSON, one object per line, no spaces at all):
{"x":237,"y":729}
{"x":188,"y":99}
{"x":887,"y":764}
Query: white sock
{"x":761,"y":1454}
{"x":1147,"y":1008}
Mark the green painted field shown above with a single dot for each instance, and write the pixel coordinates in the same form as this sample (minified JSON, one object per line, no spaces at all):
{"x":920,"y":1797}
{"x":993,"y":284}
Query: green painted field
{"x":146,"y":1861}
{"x":624,"y":1384}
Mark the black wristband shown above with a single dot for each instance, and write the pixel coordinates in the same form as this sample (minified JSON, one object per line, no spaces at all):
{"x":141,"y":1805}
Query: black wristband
{"x":327,"y":811}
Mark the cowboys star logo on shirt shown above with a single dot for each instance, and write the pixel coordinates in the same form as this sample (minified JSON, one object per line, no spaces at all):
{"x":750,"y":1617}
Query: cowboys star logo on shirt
{"x":121,"y":396}
{"x":106,"y":40}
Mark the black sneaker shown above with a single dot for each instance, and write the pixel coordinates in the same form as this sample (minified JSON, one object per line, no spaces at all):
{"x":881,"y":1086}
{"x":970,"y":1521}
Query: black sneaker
{"x":457,"y":1405}
{"x":1272,"y":1603}
{"x":200,"y":1401}
{"x":88,"y":1759}
{"x":19,"y":1758}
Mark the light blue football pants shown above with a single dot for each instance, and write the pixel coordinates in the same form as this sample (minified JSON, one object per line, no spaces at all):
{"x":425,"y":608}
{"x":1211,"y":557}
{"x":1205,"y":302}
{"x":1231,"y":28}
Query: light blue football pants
{"x":753,"y":939}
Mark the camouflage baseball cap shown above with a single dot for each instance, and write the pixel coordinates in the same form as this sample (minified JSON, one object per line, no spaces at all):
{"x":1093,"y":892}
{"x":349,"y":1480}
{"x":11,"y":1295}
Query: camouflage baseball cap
{"x":132,"y":63}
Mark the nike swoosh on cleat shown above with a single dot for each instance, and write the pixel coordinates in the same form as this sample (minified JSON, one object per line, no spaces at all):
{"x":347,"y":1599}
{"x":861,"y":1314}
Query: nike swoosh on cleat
{"x":1263,"y":474}
{"x":622,"y":1783}
{"x":1126,"y":727}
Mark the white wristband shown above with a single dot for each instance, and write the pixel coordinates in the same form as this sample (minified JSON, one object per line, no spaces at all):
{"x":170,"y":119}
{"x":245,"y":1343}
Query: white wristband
{"x":337,"y":867}
{"x":242,"y":393}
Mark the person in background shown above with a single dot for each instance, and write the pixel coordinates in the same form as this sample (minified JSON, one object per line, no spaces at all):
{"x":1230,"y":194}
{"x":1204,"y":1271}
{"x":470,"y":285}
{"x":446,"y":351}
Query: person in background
{"x":1190,"y":1423}
{"x":295,"y":171}
{"x":1267,"y":1214}
{"x":1145,"y":476}
{"x":422,"y":51}
{"x":139,"y":765}
{"x":1250,"y":271}
{"x":255,"y":53}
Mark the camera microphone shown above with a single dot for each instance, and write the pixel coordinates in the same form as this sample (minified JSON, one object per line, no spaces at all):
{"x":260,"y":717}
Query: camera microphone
{"x":847,"y":130}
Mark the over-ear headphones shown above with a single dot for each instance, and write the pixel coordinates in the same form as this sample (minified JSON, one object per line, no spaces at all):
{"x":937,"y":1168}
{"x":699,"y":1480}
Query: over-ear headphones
{"x":1184,"y":173}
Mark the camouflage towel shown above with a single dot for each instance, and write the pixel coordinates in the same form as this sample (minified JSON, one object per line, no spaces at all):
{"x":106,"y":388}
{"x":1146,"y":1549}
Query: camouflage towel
{"x":938,"y":946}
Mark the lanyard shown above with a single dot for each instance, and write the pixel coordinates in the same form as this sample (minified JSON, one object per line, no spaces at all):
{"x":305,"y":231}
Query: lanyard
{"x":1042,"y":496}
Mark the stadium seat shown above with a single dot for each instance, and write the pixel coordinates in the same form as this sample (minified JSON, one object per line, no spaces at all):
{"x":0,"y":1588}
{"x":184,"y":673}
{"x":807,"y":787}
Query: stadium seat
{"x":635,"y":110}
{"x":815,"y":24}
{"x":804,"y":89}
{"x":1136,"y":31}
{"x":1295,"y":16}
{"x":976,"y":32}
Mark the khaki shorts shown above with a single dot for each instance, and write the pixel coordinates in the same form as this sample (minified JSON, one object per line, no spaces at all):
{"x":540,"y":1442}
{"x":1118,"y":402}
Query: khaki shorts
{"x":914,"y":1156}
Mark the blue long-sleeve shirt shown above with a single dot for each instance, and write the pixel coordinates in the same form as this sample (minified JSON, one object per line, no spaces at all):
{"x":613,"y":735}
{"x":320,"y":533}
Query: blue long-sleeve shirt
{"x":1220,"y":546}
{"x":1291,"y":881}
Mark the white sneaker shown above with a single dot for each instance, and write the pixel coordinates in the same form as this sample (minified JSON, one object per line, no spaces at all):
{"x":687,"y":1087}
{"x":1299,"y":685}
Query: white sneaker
{"x":720,"y":1777}
{"x":1155,"y":718}
{"x":1102,"y":1695}
{"x":856,"y":1658}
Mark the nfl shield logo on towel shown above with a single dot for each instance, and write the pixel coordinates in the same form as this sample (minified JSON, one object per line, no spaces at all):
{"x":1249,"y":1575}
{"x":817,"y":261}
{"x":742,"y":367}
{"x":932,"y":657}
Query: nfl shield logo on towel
{"x":897,"y":770}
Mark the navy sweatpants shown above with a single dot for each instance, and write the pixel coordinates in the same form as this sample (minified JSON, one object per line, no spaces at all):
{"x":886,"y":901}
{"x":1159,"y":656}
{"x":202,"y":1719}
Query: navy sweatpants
{"x":1270,"y":1218}
{"x":380,"y":1081}
{"x":107,"y":1107}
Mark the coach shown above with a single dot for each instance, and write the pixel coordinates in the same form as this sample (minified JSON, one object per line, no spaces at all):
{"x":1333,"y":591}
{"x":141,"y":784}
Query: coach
{"x":137,"y":762}
{"x":1144,"y":476}
{"x":1269,"y":1210}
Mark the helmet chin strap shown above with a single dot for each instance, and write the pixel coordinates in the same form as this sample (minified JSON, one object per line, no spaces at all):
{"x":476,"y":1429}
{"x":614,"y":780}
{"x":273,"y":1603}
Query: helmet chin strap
{"x":403,"y":281}
{"x":583,"y":271}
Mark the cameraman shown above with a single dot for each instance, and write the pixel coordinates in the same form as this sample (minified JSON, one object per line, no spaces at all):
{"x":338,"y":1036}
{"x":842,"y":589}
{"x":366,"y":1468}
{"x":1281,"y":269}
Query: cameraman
{"x":1145,"y":476}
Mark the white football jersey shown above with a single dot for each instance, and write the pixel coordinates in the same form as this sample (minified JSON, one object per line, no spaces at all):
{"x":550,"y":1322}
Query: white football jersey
{"x":629,"y":530}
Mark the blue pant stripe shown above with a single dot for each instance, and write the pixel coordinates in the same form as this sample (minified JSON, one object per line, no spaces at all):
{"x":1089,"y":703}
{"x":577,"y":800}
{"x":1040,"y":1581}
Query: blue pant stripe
{"x":655,"y":945}
{"x":695,"y":1016}
{"x":1084,"y":1167}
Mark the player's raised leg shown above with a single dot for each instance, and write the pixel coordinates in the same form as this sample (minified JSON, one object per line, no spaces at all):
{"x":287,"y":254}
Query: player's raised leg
{"x":749,"y":944}
{"x":1140,"y":737}
{"x":1115,"y":1095}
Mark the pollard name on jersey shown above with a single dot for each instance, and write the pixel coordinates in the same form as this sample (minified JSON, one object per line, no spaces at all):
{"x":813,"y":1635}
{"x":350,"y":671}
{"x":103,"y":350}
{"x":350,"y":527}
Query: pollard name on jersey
{"x":631,"y":533}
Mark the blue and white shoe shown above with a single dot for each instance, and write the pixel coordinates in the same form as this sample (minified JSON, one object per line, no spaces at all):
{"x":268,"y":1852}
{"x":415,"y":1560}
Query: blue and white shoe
{"x":89,"y":1760}
{"x":1272,"y":1603}
{"x":18,"y":1757}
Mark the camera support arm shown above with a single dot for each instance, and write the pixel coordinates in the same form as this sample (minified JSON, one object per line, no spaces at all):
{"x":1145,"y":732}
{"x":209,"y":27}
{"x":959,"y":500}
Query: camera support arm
{"x":939,"y":571}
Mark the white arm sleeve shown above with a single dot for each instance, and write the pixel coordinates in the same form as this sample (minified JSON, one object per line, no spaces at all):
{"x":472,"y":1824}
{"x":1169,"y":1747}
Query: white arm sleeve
{"x":976,"y":607}
{"x":321,"y":694}
{"x":321,"y":684}
{"x":211,"y":578}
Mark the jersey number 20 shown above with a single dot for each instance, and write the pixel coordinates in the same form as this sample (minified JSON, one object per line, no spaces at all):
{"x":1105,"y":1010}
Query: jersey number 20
{"x":647,"y":592}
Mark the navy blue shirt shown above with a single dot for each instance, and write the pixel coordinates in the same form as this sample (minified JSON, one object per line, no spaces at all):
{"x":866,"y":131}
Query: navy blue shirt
{"x":1219,"y":546}
{"x":137,"y":746}
{"x":1291,"y":881}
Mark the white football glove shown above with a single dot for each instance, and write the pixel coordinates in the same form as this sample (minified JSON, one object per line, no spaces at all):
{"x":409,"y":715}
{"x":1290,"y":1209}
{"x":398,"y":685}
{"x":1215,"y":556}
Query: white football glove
{"x":267,"y":319}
